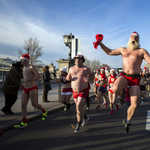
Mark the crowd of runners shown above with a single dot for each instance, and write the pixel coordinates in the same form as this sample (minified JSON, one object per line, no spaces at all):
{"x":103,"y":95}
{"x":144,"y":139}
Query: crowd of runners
{"x":129,"y":85}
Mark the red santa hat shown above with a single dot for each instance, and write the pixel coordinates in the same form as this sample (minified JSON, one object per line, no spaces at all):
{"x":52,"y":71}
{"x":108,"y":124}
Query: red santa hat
{"x":103,"y":69}
{"x":25,"y":57}
{"x":106,"y":66}
{"x":112,"y":69}
{"x":144,"y":68}
{"x":135,"y":33}
{"x":97,"y":70}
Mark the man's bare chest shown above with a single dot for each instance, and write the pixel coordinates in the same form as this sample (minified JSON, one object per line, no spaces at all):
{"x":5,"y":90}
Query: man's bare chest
{"x":79,"y":72}
{"x":132,"y":54}
{"x":27,"y":72}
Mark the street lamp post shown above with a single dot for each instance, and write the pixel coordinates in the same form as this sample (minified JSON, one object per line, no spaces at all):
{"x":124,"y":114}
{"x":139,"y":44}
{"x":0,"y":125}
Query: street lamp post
{"x":67,"y":41}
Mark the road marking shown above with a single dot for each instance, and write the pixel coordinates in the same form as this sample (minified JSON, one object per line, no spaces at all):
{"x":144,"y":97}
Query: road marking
{"x":148,"y":120}
{"x":72,"y":126}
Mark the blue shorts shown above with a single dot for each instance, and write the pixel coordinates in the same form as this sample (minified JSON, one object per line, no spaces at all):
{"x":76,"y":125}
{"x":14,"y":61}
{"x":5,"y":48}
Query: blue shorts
{"x":102,"y":89}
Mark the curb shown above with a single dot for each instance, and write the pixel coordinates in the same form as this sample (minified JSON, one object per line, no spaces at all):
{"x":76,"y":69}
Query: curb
{"x":36,"y":116}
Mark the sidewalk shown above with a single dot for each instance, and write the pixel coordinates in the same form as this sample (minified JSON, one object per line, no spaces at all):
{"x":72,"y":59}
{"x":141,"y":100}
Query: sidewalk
{"x":7,"y":122}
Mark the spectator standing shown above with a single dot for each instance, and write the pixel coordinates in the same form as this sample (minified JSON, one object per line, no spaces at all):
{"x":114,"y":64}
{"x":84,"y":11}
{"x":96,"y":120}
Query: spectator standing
{"x":46,"y":83}
{"x":11,"y":87}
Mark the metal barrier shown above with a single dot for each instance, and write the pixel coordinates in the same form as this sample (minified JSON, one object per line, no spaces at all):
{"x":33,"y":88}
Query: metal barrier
{"x":59,"y":90}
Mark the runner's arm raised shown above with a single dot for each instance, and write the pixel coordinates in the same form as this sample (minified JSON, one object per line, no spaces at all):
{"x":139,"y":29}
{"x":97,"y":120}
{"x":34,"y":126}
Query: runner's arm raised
{"x":109,"y":51}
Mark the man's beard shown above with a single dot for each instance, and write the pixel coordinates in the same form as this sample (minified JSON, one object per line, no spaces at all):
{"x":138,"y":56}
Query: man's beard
{"x":132,"y":46}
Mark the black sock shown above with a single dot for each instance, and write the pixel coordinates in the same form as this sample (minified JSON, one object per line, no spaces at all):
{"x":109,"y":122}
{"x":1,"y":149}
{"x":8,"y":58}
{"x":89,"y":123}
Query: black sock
{"x":68,"y":106}
{"x":79,"y":123}
{"x":85,"y":116}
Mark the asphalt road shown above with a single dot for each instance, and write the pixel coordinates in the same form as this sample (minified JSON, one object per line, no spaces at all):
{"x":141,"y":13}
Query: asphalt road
{"x":103,"y":132}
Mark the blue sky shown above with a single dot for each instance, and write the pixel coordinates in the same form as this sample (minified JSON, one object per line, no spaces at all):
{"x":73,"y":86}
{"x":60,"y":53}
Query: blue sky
{"x":49,"y":20}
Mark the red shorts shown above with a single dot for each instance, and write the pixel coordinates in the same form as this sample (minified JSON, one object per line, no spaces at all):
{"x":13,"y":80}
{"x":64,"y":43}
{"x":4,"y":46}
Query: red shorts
{"x":84,"y":93}
{"x":131,"y":80}
{"x":27,"y":91}
{"x":66,"y":91}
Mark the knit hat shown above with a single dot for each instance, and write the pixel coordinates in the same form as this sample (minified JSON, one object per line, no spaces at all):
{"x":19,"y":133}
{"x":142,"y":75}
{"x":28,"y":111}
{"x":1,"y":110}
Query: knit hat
{"x":64,"y":69}
{"x":25,"y":57}
{"x":135,"y":33}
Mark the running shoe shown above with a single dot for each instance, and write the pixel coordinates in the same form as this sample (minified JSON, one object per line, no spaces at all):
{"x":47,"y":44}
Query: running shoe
{"x":87,"y":108}
{"x":111,"y":112}
{"x":1,"y":133}
{"x":98,"y":107}
{"x":85,"y":121}
{"x":117,"y":107}
{"x":45,"y":115}
{"x":126,"y":125}
{"x":106,"y":105}
{"x":21,"y":125}
{"x":65,"y":108}
{"x":4,"y":111}
{"x":77,"y":129}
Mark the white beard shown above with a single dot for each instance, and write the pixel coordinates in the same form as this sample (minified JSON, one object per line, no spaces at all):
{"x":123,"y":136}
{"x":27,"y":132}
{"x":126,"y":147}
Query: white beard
{"x":132,"y":46}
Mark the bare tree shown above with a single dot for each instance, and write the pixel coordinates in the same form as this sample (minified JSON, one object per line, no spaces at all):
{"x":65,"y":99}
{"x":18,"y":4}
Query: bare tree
{"x":92,"y":64}
{"x":87,"y":62}
{"x":104,"y":65}
{"x":32,"y":46}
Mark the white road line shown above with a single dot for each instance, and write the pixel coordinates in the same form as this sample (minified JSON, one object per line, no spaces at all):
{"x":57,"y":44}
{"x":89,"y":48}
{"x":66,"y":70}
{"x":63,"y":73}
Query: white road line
{"x":148,"y":120}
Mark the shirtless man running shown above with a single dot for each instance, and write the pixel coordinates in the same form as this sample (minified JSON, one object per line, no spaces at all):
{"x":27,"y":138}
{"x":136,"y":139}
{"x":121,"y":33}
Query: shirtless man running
{"x":79,"y":83}
{"x":132,"y":57}
{"x":30,"y":90}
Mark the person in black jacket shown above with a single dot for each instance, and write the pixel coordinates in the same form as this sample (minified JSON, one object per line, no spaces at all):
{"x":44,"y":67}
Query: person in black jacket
{"x":11,"y":86}
{"x":45,"y":80}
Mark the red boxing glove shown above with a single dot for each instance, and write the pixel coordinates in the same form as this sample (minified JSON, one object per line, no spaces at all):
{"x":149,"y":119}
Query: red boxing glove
{"x":99,"y":37}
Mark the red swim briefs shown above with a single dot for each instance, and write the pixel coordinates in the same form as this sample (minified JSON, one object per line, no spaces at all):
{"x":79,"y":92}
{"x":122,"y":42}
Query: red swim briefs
{"x":131,"y":80}
{"x":27,"y":91}
{"x":111,"y":91}
{"x":84,"y":93}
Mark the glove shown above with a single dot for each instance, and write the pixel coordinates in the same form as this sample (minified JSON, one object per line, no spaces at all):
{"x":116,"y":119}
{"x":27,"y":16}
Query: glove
{"x":99,"y":37}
